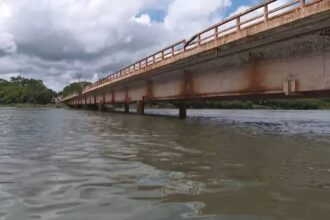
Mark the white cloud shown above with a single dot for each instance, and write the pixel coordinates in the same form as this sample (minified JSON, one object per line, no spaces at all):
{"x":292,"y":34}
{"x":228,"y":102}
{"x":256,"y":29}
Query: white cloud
{"x":95,"y":77}
{"x":7,"y":43}
{"x":4,"y":11}
{"x":189,"y":17}
{"x":52,"y":39}
{"x":143,"y":19}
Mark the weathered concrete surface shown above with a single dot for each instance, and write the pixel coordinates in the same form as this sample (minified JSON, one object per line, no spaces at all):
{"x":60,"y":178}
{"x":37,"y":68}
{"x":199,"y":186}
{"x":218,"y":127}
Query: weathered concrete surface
{"x":287,"y":55}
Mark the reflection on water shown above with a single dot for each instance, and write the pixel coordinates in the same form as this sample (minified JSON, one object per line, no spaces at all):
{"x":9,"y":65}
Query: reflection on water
{"x":224,"y":165}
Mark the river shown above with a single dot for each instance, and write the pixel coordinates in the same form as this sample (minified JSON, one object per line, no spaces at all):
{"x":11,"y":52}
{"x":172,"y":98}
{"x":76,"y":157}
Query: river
{"x":58,"y":164}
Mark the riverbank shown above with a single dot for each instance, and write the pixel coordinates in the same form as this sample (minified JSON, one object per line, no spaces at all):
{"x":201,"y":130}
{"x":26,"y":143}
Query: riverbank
{"x":278,"y":104}
{"x":29,"y":105}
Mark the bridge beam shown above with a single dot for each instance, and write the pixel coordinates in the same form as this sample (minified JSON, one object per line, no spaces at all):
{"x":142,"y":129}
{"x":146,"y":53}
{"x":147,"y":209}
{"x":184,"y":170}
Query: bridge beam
{"x":92,"y":107}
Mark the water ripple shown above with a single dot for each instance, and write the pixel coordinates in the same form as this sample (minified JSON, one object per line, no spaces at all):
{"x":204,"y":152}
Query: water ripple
{"x":61,"y":164}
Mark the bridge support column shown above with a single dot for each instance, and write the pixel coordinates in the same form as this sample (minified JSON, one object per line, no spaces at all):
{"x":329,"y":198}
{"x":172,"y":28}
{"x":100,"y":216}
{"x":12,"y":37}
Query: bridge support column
{"x":92,"y":107}
{"x":182,"y":110}
{"x":126,"y":108}
{"x":74,"y":106}
{"x":102,"y":107}
{"x":140,"y":108}
{"x":77,"y":106}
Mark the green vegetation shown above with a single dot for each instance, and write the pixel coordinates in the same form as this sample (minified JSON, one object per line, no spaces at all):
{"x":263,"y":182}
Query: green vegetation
{"x":297,"y":104}
{"x":303,"y":104}
{"x":74,"y":88}
{"x":236,"y":104}
{"x":30,"y":105}
{"x":22,"y":90}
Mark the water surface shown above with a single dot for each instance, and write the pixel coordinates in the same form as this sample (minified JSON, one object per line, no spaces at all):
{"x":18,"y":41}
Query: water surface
{"x":223,"y":165}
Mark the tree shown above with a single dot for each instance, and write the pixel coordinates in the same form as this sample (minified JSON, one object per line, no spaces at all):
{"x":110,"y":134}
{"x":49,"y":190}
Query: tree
{"x":74,"y":88}
{"x":23,"y":90}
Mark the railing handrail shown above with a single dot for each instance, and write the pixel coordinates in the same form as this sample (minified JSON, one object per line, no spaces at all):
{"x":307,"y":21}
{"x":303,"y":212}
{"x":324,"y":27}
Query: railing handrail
{"x":232,"y":18}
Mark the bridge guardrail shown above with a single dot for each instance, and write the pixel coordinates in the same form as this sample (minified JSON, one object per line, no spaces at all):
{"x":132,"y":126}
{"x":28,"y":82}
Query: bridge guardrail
{"x":249,"y":18}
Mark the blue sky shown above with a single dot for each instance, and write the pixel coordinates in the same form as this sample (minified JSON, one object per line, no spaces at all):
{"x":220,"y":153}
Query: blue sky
{"x":159,"y":14}
{"x":237,"y":3}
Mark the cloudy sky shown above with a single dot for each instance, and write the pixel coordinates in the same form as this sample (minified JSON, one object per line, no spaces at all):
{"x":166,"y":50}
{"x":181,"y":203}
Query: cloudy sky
{"x":52,"y":40}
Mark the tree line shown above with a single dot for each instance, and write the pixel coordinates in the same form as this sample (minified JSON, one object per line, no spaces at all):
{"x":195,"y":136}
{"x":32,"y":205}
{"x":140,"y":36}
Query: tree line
{"x":22,"y":90}
{"x":73,"y":88}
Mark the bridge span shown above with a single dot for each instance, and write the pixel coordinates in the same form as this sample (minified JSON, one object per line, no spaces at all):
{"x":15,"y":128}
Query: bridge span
{"x":270,"y":50}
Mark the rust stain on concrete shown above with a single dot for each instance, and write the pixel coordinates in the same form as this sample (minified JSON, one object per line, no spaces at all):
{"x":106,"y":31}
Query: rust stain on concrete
{"x":150,"y":90}
{"x":188,"y":83}
{"x":254,"y":78}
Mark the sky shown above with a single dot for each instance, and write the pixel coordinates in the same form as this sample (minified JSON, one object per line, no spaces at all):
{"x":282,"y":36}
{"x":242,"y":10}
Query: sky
{"x":53,"y":40}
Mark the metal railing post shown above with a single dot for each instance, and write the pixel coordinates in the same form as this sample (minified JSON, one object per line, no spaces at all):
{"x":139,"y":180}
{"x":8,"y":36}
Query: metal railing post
{"x":266,"y":12}
{"x":238,"y":23}
{"x":302,"y":3}
{"x":216,"y":30}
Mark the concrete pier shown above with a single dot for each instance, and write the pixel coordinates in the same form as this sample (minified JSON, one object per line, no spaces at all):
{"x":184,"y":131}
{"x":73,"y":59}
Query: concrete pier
{"x":127,"y":108}
{"x":140,"y":108}
{"x":101,"y":107}
{"x":182,"y":111}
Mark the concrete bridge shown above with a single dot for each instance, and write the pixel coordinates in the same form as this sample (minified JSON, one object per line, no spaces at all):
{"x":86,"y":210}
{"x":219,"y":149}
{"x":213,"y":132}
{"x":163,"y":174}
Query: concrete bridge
{"x":270,"y":50}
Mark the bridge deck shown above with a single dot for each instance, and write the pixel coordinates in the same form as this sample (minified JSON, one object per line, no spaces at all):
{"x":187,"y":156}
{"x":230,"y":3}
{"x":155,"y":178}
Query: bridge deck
{"x":263,"y":24}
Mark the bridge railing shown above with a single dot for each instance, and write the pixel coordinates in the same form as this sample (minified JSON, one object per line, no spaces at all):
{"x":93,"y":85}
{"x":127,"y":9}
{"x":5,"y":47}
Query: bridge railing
{"x":256,"y":15}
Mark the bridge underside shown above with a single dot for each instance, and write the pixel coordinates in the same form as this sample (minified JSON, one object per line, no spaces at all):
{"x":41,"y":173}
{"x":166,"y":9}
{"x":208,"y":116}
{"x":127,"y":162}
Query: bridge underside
{"x":289,"y":61}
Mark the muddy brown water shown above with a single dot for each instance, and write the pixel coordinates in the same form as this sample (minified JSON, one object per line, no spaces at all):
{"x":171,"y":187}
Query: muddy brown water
{"x":216,"y":165}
